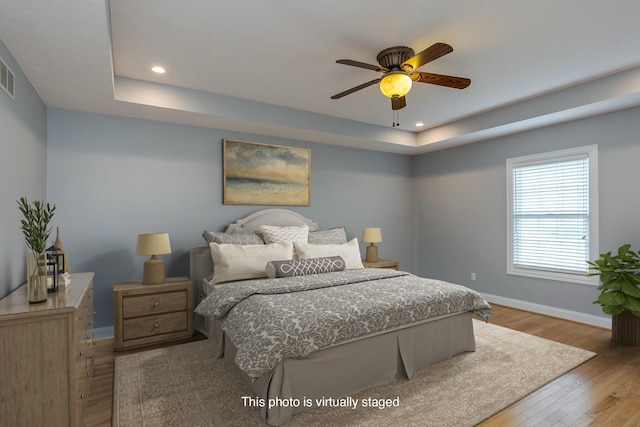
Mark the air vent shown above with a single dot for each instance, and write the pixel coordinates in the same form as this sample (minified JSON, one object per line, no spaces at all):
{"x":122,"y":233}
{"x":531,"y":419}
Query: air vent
{"x":7,"y":80}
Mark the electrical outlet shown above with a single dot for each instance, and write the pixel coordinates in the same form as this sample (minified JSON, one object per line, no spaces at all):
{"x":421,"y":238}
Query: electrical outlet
{"x":473,"y":276}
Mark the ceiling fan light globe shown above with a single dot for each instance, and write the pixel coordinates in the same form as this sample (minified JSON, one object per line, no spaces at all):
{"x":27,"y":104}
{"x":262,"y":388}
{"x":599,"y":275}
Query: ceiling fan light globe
{"x":395,"y":84}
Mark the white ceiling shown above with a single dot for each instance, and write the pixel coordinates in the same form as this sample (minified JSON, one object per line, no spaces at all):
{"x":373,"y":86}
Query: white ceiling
{"x":268,"y":67}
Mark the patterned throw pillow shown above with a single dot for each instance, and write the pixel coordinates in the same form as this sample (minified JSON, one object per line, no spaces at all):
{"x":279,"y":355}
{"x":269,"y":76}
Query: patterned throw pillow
{"x":235,"y":239}
{"x":275,"y":234}
{"x":304,"y":267}
{"x":332,"y":236}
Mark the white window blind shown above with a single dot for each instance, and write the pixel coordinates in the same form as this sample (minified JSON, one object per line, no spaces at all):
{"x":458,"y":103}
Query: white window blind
{"x":551,"y":224}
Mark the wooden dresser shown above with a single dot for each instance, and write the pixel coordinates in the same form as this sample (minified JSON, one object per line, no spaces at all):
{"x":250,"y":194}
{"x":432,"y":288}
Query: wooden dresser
{"x":46,"y":355}
{"x":152,"y":314}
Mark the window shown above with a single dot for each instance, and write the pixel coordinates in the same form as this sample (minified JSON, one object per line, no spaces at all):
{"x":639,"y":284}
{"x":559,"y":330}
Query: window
{"x":552,"y":222}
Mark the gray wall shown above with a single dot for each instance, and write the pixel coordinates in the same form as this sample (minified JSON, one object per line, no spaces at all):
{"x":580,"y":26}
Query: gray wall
{"x":442,"y":213}
{"x":23,"y":169}
{"x":112,"y":178}
{"x":461,"y":206}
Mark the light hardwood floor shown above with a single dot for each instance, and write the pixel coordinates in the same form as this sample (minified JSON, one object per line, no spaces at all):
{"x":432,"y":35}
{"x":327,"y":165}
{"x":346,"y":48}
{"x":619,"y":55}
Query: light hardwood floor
{"x":600,"y":392}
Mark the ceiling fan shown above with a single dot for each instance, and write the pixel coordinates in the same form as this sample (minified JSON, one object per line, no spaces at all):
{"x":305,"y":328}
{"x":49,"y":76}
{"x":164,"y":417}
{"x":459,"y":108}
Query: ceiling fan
{"x":398,"y":64}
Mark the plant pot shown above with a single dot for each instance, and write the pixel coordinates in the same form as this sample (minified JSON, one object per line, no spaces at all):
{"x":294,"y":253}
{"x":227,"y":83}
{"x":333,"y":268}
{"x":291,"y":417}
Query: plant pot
{"x":625,"y":329}
{"x":36,"y":277}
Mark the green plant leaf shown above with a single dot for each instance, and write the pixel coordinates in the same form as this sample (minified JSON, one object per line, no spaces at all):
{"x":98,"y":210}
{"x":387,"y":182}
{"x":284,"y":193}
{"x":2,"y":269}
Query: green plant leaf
{"x":35,"y":225}
{"x":612,"y":310}
{"x":631,"y":304}
{"x":622,"y":250}
{"x":612,"y":298}
{"x":630,"y":289}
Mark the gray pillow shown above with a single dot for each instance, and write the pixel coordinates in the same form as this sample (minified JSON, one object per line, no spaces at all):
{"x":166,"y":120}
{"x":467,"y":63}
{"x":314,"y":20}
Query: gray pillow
{"x":304,"y":267}
{"x":234,"y":239}
{"x":332,"y":236}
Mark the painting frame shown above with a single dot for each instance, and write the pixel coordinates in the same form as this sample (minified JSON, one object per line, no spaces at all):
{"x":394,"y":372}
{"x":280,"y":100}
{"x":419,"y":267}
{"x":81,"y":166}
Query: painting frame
{"x":257,"y":173}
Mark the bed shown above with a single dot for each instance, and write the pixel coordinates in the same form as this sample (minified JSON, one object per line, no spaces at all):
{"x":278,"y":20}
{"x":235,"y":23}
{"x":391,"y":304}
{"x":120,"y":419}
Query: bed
{"x":287,"y":377}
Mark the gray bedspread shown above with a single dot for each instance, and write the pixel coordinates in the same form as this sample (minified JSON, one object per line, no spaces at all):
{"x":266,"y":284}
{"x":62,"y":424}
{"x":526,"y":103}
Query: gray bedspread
{"x":270,"y":320}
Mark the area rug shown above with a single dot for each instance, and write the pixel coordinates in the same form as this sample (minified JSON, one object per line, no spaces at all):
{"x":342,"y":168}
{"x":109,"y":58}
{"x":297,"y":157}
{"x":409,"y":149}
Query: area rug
{"x":185,"y":385}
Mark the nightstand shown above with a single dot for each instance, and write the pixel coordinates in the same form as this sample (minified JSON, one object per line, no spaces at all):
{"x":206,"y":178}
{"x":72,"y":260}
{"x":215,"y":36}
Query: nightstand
{"x":382,"y":263}
{"x":152,"y":314}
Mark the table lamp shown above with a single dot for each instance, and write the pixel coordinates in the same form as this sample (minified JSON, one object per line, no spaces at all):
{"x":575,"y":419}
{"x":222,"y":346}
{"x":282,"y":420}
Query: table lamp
{"x":153,"y":244}
{"x":372,"y":235}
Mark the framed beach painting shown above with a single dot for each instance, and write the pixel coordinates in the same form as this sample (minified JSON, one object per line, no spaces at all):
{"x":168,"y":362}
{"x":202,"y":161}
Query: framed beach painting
{"x":264,"y":174}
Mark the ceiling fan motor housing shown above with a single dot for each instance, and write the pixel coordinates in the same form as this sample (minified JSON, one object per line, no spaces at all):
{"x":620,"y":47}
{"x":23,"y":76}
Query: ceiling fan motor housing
{"x":392,"y":57}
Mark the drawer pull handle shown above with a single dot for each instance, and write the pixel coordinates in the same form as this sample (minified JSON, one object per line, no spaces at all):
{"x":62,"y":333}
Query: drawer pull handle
{"x":81,"y":353}
{"x":81,"y":396}
{"x":156,"y":325}
{"x":155,"y":304}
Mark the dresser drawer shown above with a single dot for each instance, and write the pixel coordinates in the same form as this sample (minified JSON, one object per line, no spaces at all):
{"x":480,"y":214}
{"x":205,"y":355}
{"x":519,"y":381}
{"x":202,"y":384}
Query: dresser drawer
{"x":154,"y":325}
{"x":143,"y":305}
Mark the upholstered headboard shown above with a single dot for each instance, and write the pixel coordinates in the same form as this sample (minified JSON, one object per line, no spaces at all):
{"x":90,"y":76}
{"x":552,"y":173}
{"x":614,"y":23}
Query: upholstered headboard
{"x":201,"y":264}
{"x":279,"y":217}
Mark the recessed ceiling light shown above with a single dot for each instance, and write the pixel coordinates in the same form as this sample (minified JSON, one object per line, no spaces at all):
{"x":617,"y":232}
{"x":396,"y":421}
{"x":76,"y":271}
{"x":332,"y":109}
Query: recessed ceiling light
{"x":158,"y":70}
{"x":419,"y":124}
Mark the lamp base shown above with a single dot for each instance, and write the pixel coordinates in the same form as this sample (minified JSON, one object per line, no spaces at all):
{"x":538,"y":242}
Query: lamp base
{"x":372,"y":253}
{"x":153,"y":271}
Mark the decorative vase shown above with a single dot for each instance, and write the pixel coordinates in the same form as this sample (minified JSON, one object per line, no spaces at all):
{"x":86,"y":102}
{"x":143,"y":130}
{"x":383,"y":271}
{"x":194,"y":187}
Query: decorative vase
{"x":60,"y":246}
{"x":36,"y":277}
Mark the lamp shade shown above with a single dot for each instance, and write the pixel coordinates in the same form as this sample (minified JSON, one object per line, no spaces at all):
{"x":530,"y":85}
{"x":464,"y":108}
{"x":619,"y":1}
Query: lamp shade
{"x":372,"y":235}
{"x":395,"y":84}
{"x":153,"y":244}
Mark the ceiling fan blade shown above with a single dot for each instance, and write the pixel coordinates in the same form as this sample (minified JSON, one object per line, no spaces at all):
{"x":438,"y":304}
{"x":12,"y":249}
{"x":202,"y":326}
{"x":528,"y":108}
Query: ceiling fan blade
{"x":362,"y":65}
{"x":431,"y":53}
{"x":440,"y":80}
{"x":355,"y":89}
{"x":398,"y":103}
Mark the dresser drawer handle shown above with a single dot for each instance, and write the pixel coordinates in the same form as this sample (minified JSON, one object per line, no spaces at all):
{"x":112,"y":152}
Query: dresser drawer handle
{"x":156,"y":325}
{"x":81,"y":396}
{"x":81,"y":354}
{"x":155,"y":304}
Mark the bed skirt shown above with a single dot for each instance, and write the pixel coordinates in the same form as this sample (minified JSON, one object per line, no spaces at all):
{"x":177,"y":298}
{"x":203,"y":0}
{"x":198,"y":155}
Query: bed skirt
{"x":346,"y":369}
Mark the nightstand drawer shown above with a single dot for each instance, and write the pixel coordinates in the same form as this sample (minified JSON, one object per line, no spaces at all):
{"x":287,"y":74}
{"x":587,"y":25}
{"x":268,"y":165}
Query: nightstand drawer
{"x":146,"y":315}
{"x":155,"y":325}
{"x":382,"y":263}
{"x":143,"y":305}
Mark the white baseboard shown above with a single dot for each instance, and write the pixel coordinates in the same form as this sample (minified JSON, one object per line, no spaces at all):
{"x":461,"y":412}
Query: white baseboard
{"x":576,"y":316}
{"x":106,"y":332}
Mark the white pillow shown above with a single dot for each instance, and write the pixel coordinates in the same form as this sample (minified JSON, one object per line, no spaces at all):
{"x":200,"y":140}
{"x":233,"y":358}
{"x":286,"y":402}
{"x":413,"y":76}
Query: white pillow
{"x":349,"y":251}
{"x":274,"y":234}
{"x":240,"y":262}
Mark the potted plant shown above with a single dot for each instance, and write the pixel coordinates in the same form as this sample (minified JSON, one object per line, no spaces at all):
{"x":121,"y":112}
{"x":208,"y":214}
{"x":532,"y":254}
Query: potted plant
{"x":620,"y":296}
{"x":36,"y":230}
